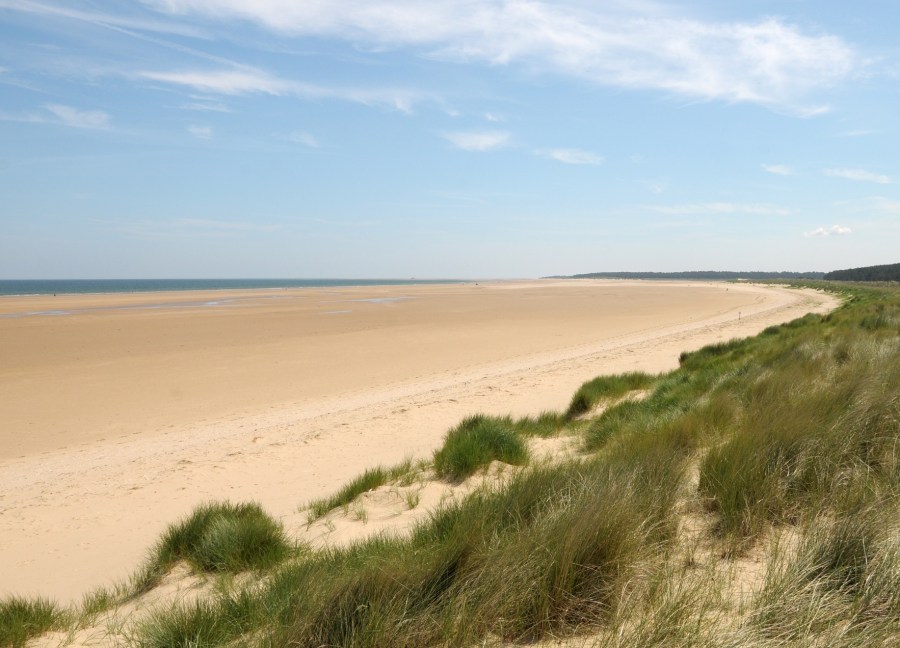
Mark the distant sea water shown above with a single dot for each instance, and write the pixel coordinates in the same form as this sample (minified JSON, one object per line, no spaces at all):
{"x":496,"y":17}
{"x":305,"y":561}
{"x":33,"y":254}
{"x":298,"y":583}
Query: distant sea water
{"x":78,"y":286}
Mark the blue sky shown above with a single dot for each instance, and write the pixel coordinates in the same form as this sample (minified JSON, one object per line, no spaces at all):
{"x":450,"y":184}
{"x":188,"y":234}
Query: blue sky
{"x":475,"y":138}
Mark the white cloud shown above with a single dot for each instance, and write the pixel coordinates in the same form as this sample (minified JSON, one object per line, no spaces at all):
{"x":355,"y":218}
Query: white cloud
{"x":246,"y":80}
{"x":778,"y":169}
{"x":101,"y":19}
{"x":69,"y":116}
{"x":571,"y":156}
{"x":229,"y":82}
{"x":302,"y":137}
{"x":880,"y":204}
{"x":203,"y":106}
{"x":886,"y":205}
{"x":633,"y":44}
{"x":478,"y":141}
{"x":492,"y":117}
{"x":858,"y":174}
{"x":721,"y":208}
{"x":200,"y":132}
{"x":834,"y":230}
{"x":61,"y":115}
{"x":656,"y":186}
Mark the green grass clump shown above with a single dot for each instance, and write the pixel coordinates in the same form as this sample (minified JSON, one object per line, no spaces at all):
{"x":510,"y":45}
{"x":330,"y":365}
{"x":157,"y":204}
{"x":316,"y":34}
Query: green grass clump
{"x":545,"y":424}
{"x":189,"y":626}
{"x":606,"y":388}
{"x":813,"y":424}
{"x":843,"y":579}
{"x":223,"y":537}
{"x":21,"y":619}
{"x":371,"y":479}
{"x":475,"y":443}
{"x":551,"y":550}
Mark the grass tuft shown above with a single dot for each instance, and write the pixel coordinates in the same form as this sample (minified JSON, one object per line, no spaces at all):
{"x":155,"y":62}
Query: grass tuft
{"x":603,"y":388}
{"x":475,"y":443}
{"x":21,"y":619}
{"x":404,"y":473}
{"x":197,"y":625}
{"x":546,"y":424}
{"x":223,"y":537}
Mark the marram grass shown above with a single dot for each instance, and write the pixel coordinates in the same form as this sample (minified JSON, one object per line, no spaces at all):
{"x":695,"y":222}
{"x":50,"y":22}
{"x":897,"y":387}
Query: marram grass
{"x":24,"y":618}
{"x":475,"y":443}
{"x":223,"y":537}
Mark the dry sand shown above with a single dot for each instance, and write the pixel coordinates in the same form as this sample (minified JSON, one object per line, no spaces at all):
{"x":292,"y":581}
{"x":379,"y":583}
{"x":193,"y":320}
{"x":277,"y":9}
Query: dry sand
{"x":122,"y":414}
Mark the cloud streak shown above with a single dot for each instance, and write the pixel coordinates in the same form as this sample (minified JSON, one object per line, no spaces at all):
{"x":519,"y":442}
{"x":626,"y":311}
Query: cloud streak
{"x":248,"y":80}
{"x":62,"y":115}
{"x":834,"y":230}
{"x":571,"y":156}
{"x":859,"y":175}
{"x":779,"y":169}
{"x":69,"y":116}
{"x":99,"y":19}
{"x":304,"y":138}
{"x":478,"y":140}
{"x":200,"y":132}
{"x":632,"y":44}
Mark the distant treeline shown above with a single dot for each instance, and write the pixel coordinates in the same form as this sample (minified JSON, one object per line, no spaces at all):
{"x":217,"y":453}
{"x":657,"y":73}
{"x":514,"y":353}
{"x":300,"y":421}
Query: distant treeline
{"x":715,"y":275}
{"x":871,"y":273}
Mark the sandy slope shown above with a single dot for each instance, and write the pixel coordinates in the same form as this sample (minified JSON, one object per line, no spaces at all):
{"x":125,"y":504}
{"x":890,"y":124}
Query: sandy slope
{"x":123,"y":415}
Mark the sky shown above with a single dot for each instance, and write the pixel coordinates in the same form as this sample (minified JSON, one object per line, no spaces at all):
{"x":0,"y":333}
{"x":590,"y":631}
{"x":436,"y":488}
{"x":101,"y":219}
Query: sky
{"x":464,"y":139}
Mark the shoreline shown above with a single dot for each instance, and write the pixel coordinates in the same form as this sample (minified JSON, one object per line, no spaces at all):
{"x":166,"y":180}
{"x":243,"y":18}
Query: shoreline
{"x":296,"y":285}
{"x":107,"y":500}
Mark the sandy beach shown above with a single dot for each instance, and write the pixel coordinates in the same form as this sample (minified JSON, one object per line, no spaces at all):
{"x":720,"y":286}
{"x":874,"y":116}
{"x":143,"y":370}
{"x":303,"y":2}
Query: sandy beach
{"x":120,"y":413}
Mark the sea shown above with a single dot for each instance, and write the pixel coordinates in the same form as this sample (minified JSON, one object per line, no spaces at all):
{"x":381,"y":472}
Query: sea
{"x":77,"y":286}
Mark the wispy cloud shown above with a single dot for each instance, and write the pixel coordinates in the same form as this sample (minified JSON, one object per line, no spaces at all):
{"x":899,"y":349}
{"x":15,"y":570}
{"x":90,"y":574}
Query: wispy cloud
{"x":657,"y":185}
{"x":61,"y":115}
{"x":871,"y":204}
{"x":76,"y":118}
{"x":242,"y":80}
{"x":721,"y":208}
{"x":860,"y":175}
{"x":779,"y":169}
{"x":623,"y":44}
{"x":100,"y":19}
{"x":478,"y":141}
{"x":229,"y":82}
{"x":886,"y":205}
{"x":204,"y":106}
{"x":200,"y":132}
{"x":834,"y":230}
{"x":304,"y":138}
{"x":493,"y":117}
{"x":570,"y":156}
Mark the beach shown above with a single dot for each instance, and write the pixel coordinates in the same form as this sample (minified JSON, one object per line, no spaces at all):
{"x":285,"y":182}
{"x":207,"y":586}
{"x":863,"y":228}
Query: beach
{"x":120,"y":413}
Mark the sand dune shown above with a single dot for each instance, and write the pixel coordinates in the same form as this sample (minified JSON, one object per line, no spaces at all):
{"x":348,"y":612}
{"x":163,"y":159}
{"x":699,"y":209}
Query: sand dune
{"x":128,"y":410}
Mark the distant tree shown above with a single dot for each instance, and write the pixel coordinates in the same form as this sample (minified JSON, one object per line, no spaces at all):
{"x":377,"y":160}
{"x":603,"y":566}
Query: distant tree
{"x":870,"y":273}
{"x":714,"y":275}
